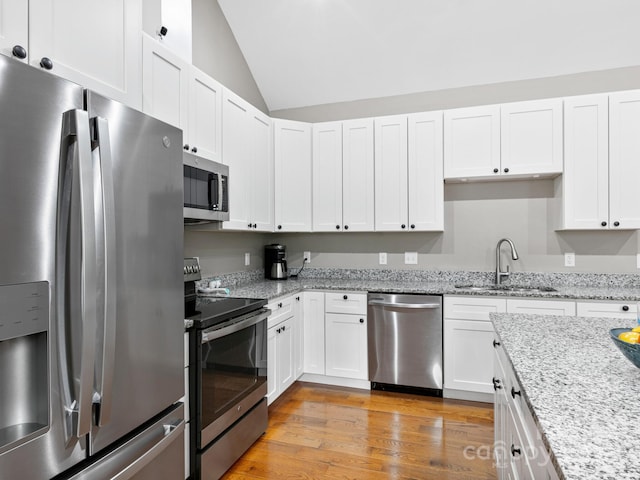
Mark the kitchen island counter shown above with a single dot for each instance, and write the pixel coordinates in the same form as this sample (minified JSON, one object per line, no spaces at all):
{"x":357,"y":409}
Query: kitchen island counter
{"x":583,"y":394}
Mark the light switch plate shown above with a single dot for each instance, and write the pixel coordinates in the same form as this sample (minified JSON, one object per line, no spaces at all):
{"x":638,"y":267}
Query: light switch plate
{"x":247,"y":259}
{"x":569,"y":259}
{"x":382,"y":258}
{"x":307,"y":255}
{"x":411,"y":258}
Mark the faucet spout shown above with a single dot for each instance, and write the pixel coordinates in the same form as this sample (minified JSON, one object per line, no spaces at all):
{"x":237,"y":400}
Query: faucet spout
{"x":502,"y":274}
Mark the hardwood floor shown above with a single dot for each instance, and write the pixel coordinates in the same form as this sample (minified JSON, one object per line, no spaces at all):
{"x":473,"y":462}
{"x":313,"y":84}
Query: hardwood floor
{"x":318,"y":432}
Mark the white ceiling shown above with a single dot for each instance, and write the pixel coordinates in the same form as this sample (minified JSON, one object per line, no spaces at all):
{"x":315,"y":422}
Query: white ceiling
{"x":311,"y":52}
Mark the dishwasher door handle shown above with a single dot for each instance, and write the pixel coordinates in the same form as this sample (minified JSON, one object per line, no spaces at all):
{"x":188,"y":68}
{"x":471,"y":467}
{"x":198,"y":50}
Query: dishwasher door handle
{"x":422,"y":306}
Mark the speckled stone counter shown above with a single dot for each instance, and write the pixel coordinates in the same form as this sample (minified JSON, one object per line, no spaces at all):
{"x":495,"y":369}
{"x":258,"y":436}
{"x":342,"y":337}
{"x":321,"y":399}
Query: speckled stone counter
{"x":583,"y":393}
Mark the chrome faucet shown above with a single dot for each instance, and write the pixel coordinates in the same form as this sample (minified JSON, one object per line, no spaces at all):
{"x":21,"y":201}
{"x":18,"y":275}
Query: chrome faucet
{"x":501,"y":275}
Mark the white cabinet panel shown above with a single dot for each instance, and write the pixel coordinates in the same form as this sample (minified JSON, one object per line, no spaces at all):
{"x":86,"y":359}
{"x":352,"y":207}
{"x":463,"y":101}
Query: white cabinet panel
{"x":626,"y":310}
{"x":314,"y":328}
{"x":280,"y":358}
{"x":346,"y":346}
{"x":95,"y":44}
{"x":261,"y":192}
{"x":531,"y":137}
{"x":327,"y":177}
{"x":344,"y":302}
{"x":357,"y":176}
{"x":425,"y":172}
{"x":298,"y":337}
{"x":391,"y":192}
{"x":292,"y":147}
{"x":204,"y":131}
{"x":472,"y":142}
{"x":272,"y":364}
{"x":14,"y":26}
{"x":541,"y":307}
{"x":472,"y":308}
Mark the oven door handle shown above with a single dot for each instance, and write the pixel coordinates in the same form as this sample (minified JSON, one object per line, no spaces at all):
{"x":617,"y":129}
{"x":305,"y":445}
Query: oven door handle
{"x":252,"y":319}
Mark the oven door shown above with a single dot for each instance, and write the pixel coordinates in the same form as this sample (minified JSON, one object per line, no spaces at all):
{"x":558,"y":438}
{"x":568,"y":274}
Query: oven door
{"x":231,"y":373}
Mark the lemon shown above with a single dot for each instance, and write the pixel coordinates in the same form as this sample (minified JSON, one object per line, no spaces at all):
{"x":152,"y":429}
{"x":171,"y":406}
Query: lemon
{"x":636,"y":329}
{"x":630,"y":337}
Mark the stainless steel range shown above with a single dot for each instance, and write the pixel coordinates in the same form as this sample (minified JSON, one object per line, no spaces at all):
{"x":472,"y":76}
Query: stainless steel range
{"x":227,"y":376}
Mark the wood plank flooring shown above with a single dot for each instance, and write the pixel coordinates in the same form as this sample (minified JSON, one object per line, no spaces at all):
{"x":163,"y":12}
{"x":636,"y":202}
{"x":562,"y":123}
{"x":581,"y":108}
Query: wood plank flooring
{"x":318,"y":432}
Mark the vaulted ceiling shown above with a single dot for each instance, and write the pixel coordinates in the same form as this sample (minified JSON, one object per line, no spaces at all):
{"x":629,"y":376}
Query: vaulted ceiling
{"x":311,"y":52}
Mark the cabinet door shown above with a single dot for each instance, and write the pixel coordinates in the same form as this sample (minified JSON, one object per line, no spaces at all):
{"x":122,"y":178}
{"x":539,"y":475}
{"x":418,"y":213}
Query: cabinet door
{"x":531,"y":137}
{"x":236,"y":153}
{"x":313,"y":327}
{"x":468,"y":355}
{"x":541,"y":307}
{"x":425,"y":178}
{"x":292,"y":147}
{"x":390,"y":154}
{"x":95,"y":44}
{"x":261,"y":203}
{"x":204,"y":133}
{"x":346,"y":346}
{"x":165,"y":84}
{"x":472,"y":142}
{"x":472,"y":308}
{"x":626,"y":310}
{"x":357,"y":176}
{"x":272,"y":364}
{"x":284,"y":349}
{"x":624,"y":152}
{"x":298,"y":337}
{"x":585,"y":181}
{"x":327,"y":177}
{"x":14,"y":26}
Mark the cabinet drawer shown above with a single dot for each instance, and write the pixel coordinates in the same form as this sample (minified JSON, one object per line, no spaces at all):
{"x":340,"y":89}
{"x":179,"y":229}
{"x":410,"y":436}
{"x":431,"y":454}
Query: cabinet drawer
{"x":354,"y":303}
{"x":607,"y":309}
{"x":473,"y":308}
{"x":281,"y":309}
{"x":541,"y":307}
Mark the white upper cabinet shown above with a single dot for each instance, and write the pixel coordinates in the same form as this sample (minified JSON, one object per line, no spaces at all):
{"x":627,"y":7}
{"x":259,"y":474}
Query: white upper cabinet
{"x":327,"y":177}
{"x":585,"y":182}
{"x":357,"y":175}
{"x":14,"y":27}
{"x":624,"y":159}
{"x":204,"y":130}
{"x":602,"y":147}
{"x":425,"y":175}
{"x":247,"y":142}
{"x":472,"y":142}
{"x":95,"y":44}
{"x":531,"y":137}
{"x":391,"y":197}
{"x":292,"y":152}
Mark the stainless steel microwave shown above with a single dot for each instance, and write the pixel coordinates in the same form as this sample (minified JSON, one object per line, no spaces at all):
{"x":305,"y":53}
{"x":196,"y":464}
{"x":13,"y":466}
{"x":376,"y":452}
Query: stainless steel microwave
{"x":206,"y":190}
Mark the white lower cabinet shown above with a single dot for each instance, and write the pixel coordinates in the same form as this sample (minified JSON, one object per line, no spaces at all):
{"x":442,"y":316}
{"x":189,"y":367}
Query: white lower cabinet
{"x":313,"y":327}
{"x":281,"y":346}
{"x":627,"y":310}
{"x":346,"y":345}
{"x":541,"y":307}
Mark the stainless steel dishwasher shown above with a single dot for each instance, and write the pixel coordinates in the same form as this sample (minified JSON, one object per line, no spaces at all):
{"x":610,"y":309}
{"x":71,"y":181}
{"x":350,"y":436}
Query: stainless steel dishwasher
{"x":404,"y":335}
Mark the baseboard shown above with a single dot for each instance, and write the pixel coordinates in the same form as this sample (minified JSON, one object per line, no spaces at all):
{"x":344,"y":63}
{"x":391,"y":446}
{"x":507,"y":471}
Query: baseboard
{"x":337,"y":381}
{"x":465,"y":395}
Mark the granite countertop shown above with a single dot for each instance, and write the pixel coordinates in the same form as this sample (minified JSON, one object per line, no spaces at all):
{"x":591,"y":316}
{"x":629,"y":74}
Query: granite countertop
{"x":583,"y":393}
{"x":271,"y":289}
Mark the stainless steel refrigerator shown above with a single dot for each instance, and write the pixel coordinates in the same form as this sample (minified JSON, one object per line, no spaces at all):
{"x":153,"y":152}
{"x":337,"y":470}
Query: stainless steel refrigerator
{"x":91,"y":300}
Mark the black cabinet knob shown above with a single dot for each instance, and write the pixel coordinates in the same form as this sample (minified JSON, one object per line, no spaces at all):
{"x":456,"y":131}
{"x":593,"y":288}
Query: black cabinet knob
{"x":495,"y":170}
{"x":337,"y":227}
{"x":249,"y":225}
{"x":298,"y":299}
{"x":186,"y":147}
{"x":496,"y":343}
{"x":616,"y":224}
{"x":255,"y":225}
{"x":515,"y":450}
{"x":19,"y":51}
{"x":403,"y":226}
{"x":194,"y":149}
{"x":496,"y":383}
{"x":46,"y":63}
{"x":362,"y":320}
{"x":344,"y":297}
{"x":346,"y":227}
{"x":604,"y":224}
{"x":625,"y":308}
{"x":163,"y":31}
{"x":284,"y":327}
{"x":506,"y":170}
{"x":413,"y":226}
{"x":280,"y":305}
{"x":515,"y":392}
{"x":279,"y":227}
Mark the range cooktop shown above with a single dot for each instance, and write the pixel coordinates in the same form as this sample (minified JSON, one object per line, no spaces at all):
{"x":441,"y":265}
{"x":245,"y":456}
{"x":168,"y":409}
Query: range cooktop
{"x":210,"y":311}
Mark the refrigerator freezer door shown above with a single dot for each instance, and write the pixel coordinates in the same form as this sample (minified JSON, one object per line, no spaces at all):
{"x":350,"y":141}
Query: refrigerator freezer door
{"x":146,"y":374}
{"x":32,"y":105}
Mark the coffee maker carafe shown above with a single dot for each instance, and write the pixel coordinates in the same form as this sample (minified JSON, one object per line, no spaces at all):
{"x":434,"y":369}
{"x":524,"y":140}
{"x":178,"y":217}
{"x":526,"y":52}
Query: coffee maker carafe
{"x":275,"y":263}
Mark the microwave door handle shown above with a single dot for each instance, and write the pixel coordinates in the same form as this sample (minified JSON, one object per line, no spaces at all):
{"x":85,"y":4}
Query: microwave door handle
{"x":210,"y":199}
{"x":76,"y":275}
{"x":105,"y":214}
{"x":220,"y":192}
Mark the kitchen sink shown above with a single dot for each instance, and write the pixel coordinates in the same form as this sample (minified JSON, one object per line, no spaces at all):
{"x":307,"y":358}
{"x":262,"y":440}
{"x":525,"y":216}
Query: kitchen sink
{"x":506,"y":288}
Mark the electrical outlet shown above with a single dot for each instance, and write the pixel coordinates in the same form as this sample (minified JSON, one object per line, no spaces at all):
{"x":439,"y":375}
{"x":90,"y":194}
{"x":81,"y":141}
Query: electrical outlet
{"x":569,"y":259}
{"x":411,"y":258}
{"x":382,"y":258}
{"x":307,"y":255}
{"x":638,"y":260}
{"x":247,"y":259}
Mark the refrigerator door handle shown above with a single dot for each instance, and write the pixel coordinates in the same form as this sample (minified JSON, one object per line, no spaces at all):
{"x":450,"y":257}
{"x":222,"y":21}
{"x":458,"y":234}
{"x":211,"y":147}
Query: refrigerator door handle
{"x":77,"y":299}
{"x":106,"y":241}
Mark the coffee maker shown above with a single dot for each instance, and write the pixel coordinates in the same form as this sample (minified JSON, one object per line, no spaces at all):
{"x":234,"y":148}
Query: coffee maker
{"x":275,"y":263}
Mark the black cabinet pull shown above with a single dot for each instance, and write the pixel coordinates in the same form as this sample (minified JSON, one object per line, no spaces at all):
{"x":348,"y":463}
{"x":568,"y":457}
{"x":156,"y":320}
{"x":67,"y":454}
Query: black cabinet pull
{"x":344,"y":297}
{"x":496,"y":343}
{"x":19,"y":51}
{"x":277,"y":330}
{"x":362,"y":320}
{"x":625,"y":308}
{"x":255,"y":225}
{"x":604,"y":224}
{"x":249,"y":225}
{"x":616,"y":224}
{"x":515,"y":450}
{"x":194,"y":149}
{"x":403,"y":226}
{"x":46,"y":63}
{"x":496,"y":383}
{"x":413,"y":226}
{"x":298,"y":298}
{"x":163,"y":31}
{"x":515,"y":392}
{"x":279,"y":227}
{"x":337,"y":227}
{"x":284,"y":327}
{"x":495,"y":170}
{"x":346,"y":227}
{"x":280,"y":305}
{"x":186,"y":146}
{"x":506,"y":170}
